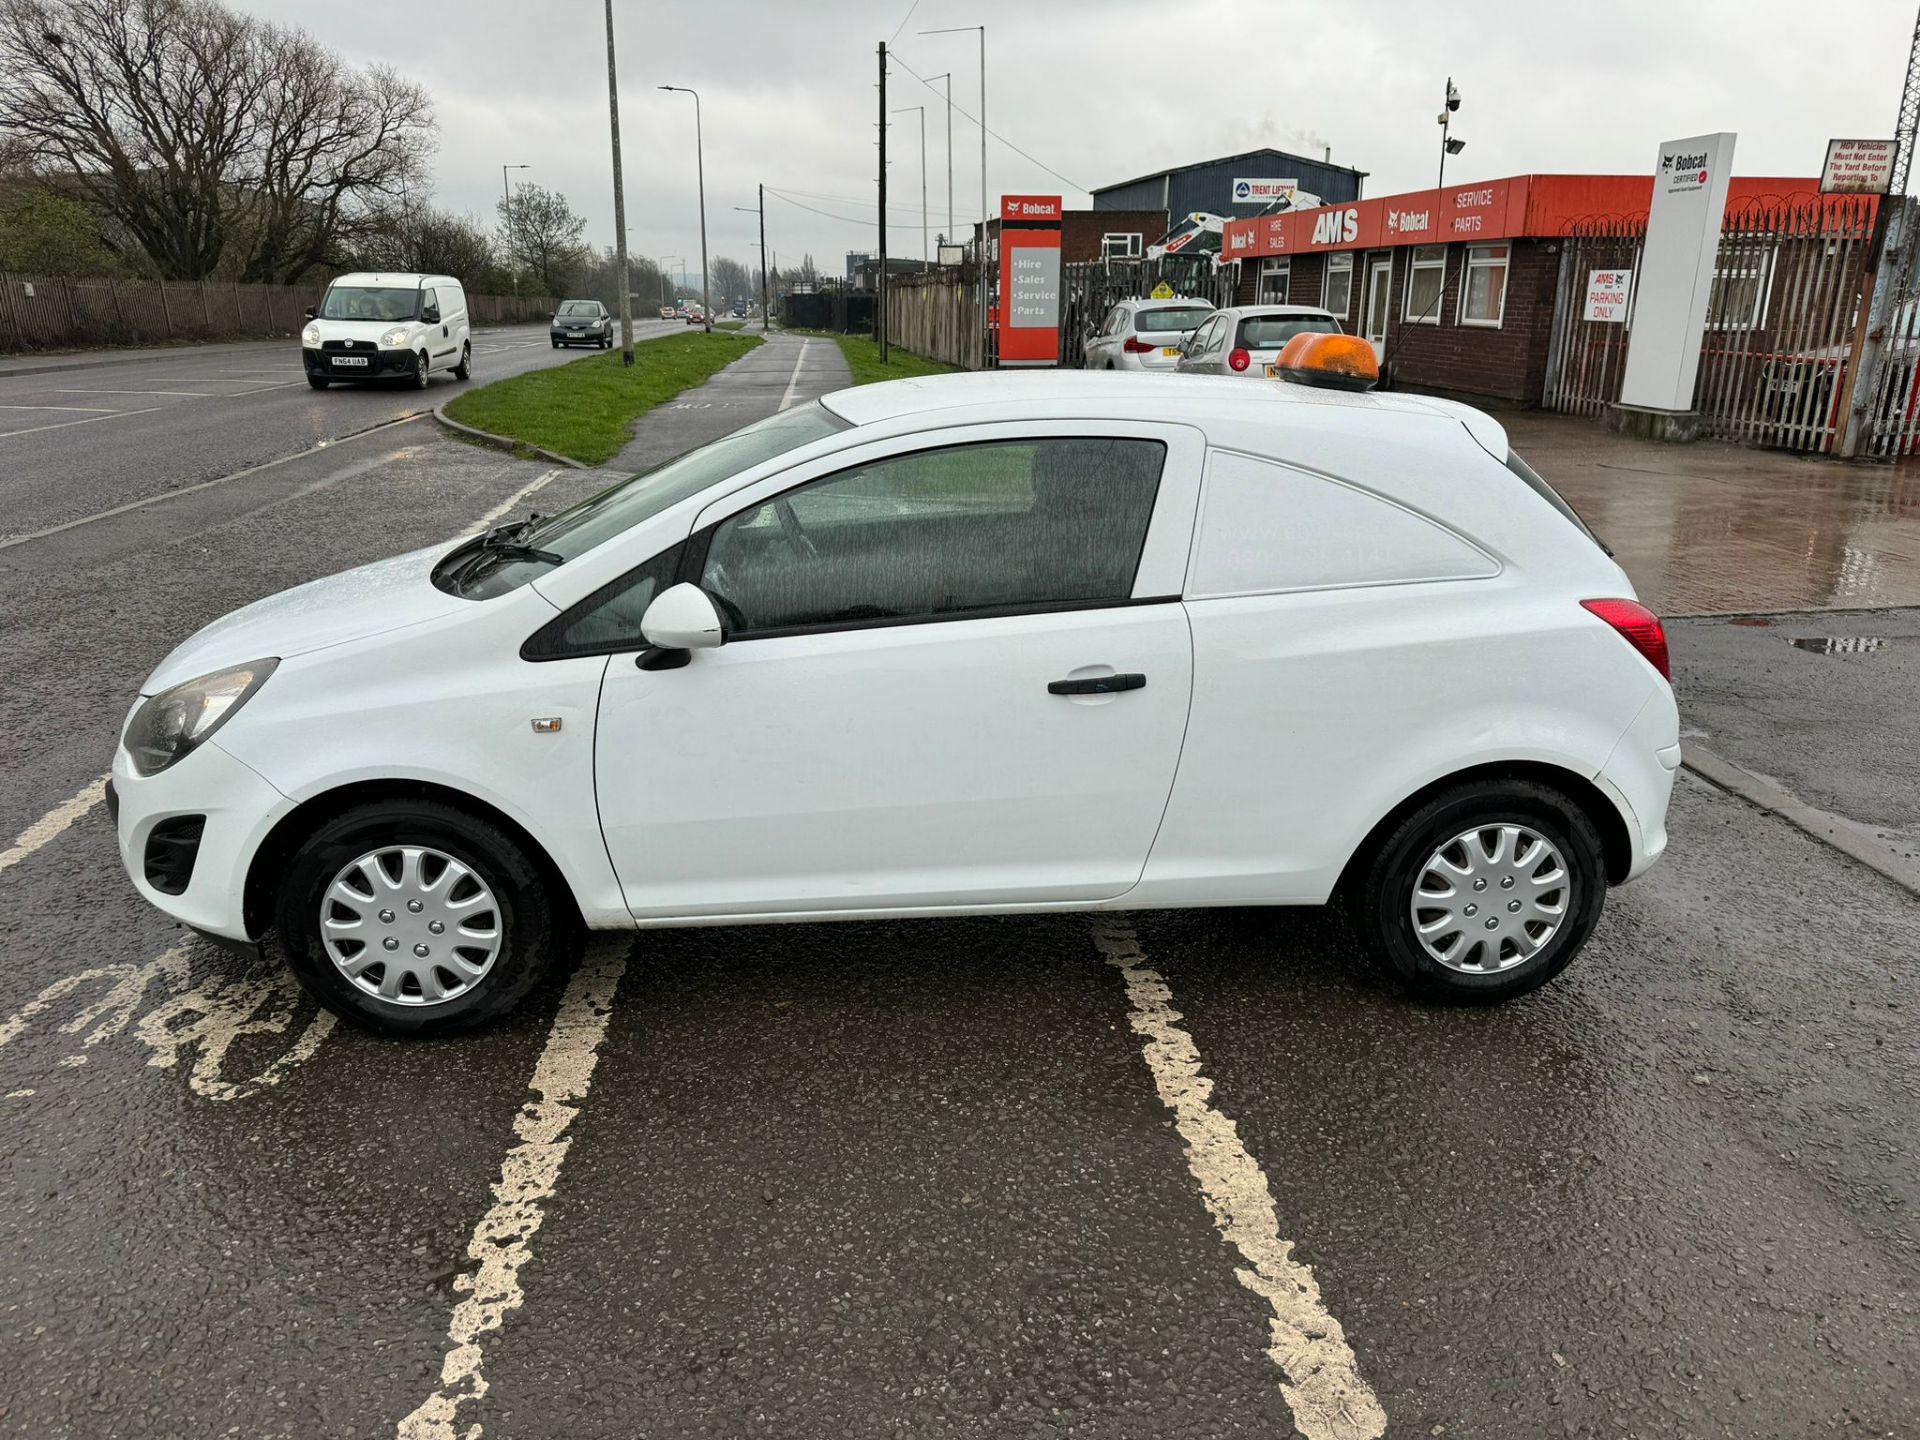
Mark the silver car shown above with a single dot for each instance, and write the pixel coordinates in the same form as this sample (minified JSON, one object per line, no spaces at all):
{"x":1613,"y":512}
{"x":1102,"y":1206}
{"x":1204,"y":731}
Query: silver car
{"x":1144,"y":334}
{"x":1245,"y":339}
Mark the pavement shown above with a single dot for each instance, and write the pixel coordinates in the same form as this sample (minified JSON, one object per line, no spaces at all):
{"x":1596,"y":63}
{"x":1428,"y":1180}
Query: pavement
{"x":933,"y":1178}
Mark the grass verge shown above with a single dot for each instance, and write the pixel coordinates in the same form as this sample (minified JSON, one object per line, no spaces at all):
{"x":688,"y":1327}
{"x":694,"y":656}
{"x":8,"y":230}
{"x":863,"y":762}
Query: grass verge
{"x":863,"y":358}
{"x":582,"y":410}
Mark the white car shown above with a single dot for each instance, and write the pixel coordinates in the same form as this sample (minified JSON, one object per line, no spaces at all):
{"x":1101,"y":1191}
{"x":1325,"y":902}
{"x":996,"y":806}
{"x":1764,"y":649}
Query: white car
{"x":1247,"y":339}
{"x":387,"y":327}
{"x":962,"y":645}
{"x":1144,"y":334}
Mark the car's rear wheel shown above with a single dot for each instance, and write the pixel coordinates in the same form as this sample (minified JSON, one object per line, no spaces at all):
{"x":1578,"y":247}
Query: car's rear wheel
{"x":414,"y":918}
{"x":1482,"y":893}
{"x":318,"y":382}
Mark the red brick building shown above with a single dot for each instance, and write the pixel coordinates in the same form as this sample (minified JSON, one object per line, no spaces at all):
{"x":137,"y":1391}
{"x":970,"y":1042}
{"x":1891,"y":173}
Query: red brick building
{"x":1456,"y":287}
{"x":1098,"y":234}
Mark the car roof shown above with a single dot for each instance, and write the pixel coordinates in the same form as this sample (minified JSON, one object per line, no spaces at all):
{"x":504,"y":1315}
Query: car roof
{"x":1245,"y":312}
{"x":1178,"y":302}
{"x":390,"y":278}
{"x":1074,"y":394}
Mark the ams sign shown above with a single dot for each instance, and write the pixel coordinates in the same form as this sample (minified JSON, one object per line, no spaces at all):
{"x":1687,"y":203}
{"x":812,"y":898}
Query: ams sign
{"x":1336,"y":227}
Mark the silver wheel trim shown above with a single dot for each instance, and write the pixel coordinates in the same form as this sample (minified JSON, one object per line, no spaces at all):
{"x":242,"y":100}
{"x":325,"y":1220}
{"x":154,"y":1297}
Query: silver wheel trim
{"x":1490,"y":898}
{"x":410,"y":925}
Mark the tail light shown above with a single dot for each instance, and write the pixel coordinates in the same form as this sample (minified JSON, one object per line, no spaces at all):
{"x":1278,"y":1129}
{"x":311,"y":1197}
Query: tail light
{"x":1238,"y":359}
{"x":1638,"y":626}
{"x":1134,"y":345}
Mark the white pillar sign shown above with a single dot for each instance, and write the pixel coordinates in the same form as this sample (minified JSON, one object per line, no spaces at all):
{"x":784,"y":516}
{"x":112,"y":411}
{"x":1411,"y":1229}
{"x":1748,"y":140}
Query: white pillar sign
{"x":1674,"y":279}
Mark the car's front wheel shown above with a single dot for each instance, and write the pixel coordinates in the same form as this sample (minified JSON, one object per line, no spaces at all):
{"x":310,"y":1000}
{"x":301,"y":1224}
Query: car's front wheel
{"x":464,"y":370}
{"x":318,"y":382}
{"x":420,"y":371}
{"x":1483,"y":893}
{"x":411,"y":917}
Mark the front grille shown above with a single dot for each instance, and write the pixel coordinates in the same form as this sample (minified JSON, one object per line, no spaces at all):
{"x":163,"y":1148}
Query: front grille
{"x":171,"y":850}
{"x":357,"y":347}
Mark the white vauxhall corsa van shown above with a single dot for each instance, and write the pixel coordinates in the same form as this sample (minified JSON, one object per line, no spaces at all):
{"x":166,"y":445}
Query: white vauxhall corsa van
{"x":387,"y":327}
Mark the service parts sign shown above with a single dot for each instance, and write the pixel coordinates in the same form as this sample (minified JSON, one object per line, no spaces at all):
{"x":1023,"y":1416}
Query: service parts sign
{"x":1029,"y":280}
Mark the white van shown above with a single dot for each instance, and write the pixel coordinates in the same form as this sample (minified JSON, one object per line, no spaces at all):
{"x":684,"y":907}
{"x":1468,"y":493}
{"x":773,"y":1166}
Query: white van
{"x":383,"y":327}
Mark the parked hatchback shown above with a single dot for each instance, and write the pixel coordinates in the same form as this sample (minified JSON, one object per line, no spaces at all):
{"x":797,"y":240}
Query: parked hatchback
{"x":1144,"y":334}
{"x":1248,"y":339}
{"x":963,"y":645}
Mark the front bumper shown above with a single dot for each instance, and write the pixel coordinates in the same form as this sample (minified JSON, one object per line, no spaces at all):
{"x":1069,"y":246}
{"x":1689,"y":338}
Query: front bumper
{"x":240,"y":809}
{"x":578,"y":337}
{"x":381,"y":364}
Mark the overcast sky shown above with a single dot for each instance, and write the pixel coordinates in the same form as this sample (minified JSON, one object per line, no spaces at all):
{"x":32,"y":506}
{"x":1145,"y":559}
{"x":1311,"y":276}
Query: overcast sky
{"x":1098,"y":90}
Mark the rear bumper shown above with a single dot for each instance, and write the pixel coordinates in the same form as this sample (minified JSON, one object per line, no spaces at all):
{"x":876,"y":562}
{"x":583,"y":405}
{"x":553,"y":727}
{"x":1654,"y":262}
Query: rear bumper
{"x":380,"y":364}
{"x":1638,"y":777}
{"x":239,"y":807}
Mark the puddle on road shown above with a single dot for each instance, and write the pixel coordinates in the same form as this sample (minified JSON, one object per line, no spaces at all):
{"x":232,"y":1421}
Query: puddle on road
{"x":1840,"y":644}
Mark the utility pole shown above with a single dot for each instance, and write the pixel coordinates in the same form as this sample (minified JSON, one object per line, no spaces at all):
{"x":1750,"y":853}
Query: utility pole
{"x":619,"y":203}
{"x":507,"y":194}
{"x":1448,"y":145}
{"x":921,"y":111}
{"x":700,"y":161}
{"x":946,"y":85}
{"x":766,"y":319}
{"x":880,"y":284}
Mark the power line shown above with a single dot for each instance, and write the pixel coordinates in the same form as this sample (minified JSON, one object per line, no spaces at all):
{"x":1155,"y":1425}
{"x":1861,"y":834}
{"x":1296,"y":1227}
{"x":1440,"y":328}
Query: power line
{"x":863,"y":204}
{"x":903,"y":22}
{"x":1075,"y":184}
{"x":896,"y":219}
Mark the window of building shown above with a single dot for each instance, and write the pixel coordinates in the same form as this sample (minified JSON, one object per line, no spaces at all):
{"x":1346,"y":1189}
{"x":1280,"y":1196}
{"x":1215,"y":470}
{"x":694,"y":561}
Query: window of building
{"x":1116,"y":246}
{"x":1742,"y":287}
{"x":1337,"y":291}
{"x":1275,"y":276}
{"x":1426,"y":279}
{"x":940,"y":535}
{"x":1483,"y":286}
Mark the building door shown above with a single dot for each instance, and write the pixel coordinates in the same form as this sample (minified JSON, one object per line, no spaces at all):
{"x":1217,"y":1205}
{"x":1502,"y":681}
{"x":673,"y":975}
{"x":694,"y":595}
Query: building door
{"x":1379,"y":281}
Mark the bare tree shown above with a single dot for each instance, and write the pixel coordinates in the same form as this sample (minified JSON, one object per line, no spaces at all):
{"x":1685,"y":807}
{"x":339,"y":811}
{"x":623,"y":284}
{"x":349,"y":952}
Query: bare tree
{"x":542,"y":234}
{"x":195,"y":129}
{"x":731,"y":281}
{"x":435,"y":241}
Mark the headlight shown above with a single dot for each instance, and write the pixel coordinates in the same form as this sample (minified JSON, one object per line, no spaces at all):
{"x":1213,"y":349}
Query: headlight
{"x":311,"y":336}
{"x":171,"y":725}
{"x":395,"y":339}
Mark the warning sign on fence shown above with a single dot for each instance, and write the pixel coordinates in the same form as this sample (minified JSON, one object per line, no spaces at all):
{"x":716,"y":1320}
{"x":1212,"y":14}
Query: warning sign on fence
{"x":1607,"y":292}
{"x":1857,"y":167}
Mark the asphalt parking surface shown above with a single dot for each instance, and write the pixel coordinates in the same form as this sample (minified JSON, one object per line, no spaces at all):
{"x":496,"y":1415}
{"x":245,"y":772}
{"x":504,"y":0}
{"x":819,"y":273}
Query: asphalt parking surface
{"x":929,"y":1178}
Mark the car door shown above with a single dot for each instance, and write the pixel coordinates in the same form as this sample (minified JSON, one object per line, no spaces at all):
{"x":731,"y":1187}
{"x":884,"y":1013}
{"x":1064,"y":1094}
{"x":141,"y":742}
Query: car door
{"x":957,"y":674}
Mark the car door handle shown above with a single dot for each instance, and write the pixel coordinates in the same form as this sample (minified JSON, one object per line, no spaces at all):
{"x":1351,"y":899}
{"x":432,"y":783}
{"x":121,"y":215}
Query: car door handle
{"x":1097,"y":685}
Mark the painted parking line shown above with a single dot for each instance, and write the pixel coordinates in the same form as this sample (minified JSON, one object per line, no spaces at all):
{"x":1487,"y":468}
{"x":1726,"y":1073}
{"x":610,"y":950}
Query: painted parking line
{"x":501,"y":1243}
{"x":1323,"y":1387}
{"x":87,"y":420}
{"x":54,"y":823}
{"x":185,"y":394}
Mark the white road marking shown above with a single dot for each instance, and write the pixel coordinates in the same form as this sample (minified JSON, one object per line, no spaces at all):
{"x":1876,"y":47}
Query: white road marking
{"x":512,"y":502}
{"x":793,"y":385}
{"x":90,"y":420}
{"x":528,"y":1176}
{"x":53,"y":823}
{"x":1323,"y":1387}
{"x":13,"y":540}
{"x":76,"y":409}
{"x":184,"y":394}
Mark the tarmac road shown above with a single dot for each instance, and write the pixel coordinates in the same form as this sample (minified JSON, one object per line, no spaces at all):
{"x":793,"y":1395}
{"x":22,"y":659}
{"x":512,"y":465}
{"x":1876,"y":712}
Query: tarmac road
{"x":924,"y":1179}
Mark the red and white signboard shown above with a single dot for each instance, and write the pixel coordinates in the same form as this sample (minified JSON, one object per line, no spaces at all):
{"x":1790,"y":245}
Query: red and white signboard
{"x":1494,"y":210}
{"x":1858,"y":167}
{"x":1044,"y":209}
{"x":1607,"y":292}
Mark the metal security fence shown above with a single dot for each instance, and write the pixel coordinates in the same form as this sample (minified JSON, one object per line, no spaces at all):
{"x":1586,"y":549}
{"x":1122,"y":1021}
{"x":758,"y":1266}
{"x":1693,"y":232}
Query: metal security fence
{"x":61,"y":312}
{"x":1887,"y":400}
{"x":1090,"y":288}
{"x":1786,"y":288}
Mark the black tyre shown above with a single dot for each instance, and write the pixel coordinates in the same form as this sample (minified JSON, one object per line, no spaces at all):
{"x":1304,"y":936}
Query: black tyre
{"x":464,"y":370}
{"x":411,"y":917}
{"x":556,"y":344}
{"x":1483,"y":893}
{"x":420,"y":374}
{"x":318,"y":382}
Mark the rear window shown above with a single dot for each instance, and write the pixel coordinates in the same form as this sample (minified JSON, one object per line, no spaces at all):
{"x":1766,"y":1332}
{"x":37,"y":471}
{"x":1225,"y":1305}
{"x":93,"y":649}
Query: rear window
{"x":1270,"y":332}
{"x":1170,"y":320}
{"x":1536,"y":483}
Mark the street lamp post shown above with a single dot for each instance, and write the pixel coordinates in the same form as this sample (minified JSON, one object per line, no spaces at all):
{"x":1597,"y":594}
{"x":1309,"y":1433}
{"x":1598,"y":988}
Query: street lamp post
{"x":664,"y":272}
{"x":980,"y":256}
{"x":619,"y":203}
{"x":700,"y":163}
{"x":507,"y":195}
{"x":946,"y":88}
{"x":1448,"y":145}
{"x":921,"y":111}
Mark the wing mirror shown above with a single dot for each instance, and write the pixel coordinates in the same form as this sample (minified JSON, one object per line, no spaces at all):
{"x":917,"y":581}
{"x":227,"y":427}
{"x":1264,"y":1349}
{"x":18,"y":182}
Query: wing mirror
{"x":313,"y":312}
{"x":431,"y":314}
{"x":681,"y":619}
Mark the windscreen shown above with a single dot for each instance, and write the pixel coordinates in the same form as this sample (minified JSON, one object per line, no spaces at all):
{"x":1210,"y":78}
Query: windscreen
{"x":580,"y":307}
{"x":1170,"y":321}
{"x":1270,"y":332}
{"x":363,"y":302}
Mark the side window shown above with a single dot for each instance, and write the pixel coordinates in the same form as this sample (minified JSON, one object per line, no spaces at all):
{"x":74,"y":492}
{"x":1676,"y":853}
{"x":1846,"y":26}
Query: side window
{"x":608,"y":620}
{"x":427,"y":302}
{"x":1266,"y":527}
{"x":1202,"y":338}
{"x":940,"y":535}
{"x":1117,"y":321}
